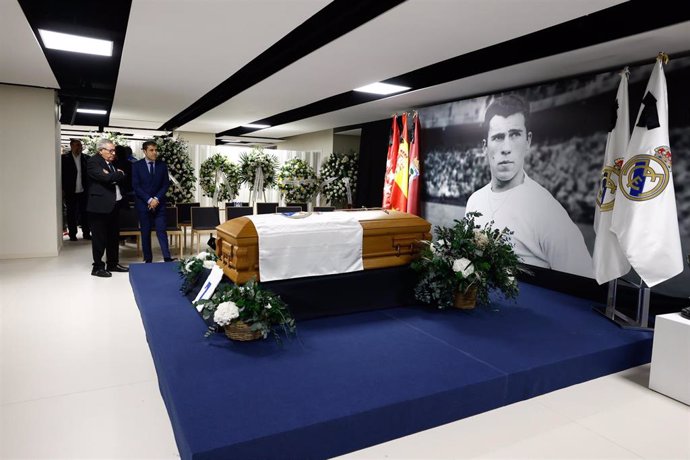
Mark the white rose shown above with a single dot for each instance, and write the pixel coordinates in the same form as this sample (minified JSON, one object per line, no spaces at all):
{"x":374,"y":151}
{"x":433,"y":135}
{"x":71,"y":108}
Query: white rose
{"x":463,"y":266}
{"x":209,"y":264}
{"x":202,"y":255}
{"x":268,"y":306}
{"x":511,"y":280}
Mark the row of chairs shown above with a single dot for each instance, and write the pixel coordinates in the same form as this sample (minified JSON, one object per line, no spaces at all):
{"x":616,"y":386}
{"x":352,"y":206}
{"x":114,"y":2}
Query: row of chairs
{"x":201,"y":220}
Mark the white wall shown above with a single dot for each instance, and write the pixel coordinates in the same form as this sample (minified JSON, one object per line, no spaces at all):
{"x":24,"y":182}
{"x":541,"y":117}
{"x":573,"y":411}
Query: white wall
{"x":30,"y":201}
{"x":321,"y":141}
{"x":196,"y":138}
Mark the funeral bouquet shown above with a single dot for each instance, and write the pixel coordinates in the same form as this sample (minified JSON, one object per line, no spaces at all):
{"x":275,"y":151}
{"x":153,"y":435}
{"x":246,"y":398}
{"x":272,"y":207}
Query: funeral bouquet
{"x":297,"y":181}
{"x":192,"y":267}
{"x":91,"y":141}
{"x":258,"y":169}
{"x":175,"y":153}
{"x":338,"y":173}
{"x":249,"y":306}
{"x":466,"y":257}
{"x":219,"y":178}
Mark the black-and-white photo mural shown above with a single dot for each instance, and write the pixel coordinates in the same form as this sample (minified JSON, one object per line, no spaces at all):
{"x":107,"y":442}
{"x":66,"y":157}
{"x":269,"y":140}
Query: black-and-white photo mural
{"x":530,"y":159}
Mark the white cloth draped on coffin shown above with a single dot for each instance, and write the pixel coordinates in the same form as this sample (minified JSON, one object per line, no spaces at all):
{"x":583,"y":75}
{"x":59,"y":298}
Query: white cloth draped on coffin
{"x":319,"y":244}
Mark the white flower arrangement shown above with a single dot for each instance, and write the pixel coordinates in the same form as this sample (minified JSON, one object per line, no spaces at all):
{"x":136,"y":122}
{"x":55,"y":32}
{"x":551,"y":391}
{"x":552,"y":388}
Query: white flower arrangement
{"x":297,"y":181}
{"x":91,"y":142}
{"x":228,"y":173}
{"x":225,"y":313}
{"x":463,"y":266}
{"x":174,"y":152}
{"x":336,"y":168}
{"x":191,"y":268}
{"x":250,"y":162}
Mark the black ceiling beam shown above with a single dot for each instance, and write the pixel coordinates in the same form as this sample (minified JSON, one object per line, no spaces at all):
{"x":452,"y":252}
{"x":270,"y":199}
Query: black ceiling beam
{"x":333,"y":21}
{"x":85,"y":80}
{"x":616,"y":22}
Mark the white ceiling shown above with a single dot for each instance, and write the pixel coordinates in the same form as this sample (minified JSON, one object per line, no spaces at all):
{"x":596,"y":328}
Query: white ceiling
{"x":412,"y":35}
{"x":175,"y":51}
{"x":22,"y":61}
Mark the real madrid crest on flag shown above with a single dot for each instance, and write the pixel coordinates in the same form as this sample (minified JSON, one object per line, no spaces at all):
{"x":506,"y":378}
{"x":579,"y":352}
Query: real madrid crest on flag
{"x":644,"y":217}
{"x":609,"y":261}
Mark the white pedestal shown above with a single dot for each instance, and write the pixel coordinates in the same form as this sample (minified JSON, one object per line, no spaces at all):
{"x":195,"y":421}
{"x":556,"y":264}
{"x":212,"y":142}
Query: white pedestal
{"x":670,"y":371}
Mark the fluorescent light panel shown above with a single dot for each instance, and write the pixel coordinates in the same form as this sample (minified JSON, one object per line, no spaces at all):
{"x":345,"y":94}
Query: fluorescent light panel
{"x":251,"y":125}
{"x":381,"y":88}
{"x":93,"y":111}
{"x":76,"y":43}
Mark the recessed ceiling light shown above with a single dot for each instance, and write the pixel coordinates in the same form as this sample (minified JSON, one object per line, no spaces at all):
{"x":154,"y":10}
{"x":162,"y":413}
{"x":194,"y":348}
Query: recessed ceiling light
{"x":381,"y":88}
{"x":93,"y":111}
{"x":251,"y":125}
{"x":76,"y":43}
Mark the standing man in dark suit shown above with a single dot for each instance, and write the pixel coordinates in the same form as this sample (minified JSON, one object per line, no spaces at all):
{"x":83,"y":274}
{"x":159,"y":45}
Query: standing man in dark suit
{"x":74,"y":187}
{"x":103,"y":207}
{"x":150,"y":182}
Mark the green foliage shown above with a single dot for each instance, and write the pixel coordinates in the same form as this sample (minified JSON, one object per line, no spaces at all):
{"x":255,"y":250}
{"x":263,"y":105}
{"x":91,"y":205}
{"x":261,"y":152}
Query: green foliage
{"x":464,"y":256}
{"x":217,"y":169}
{"x":337,"y":167}
{"x":251,"y":162}
{"x":261,"y":309}
{"x":174,"y":152}
{"x":297,"y":181}
{"x":192,"y":267}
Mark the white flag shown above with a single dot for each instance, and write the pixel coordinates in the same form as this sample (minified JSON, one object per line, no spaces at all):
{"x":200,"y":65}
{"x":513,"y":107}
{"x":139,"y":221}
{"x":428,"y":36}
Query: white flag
{"x":645,"y":218}
{"x":609,"y":260}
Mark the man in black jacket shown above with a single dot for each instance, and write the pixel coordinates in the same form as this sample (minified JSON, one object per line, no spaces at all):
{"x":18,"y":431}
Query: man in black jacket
{"x":74,"y":188}
{"x":103,"y":207}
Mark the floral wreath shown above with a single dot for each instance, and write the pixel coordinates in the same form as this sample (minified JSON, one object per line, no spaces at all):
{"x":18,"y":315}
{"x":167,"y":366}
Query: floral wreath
{"x":250,"y":164}
{"x":218,"y":172}
{"x":297,"y":181}
{"x":174,"y":152}
{"x":336,"y":168}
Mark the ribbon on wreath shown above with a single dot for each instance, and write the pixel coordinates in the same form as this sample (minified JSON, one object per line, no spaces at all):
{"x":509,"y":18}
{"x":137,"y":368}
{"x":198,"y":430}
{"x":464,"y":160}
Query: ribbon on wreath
{"x":323,"y":185}
{"x":216,"y":187}
{"x":258,"y":183}
{"x":348,"y":191}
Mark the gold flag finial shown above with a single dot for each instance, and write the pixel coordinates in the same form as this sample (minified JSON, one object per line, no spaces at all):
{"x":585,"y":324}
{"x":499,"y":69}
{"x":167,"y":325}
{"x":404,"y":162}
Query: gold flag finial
{"x":663,"y":57}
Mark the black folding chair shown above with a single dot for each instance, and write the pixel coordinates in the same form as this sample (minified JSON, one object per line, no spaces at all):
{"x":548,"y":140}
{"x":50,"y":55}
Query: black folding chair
{"x":204,"y":221}
{"x":173,"y":228}
{"x":324,"y":208}
{"x":266,"y":208}
{"x":281,"y":209}
{"x":184,"y":216}
{"x":303,"y":206}
{"x":238,"y":211}
{"x":128,"y":220}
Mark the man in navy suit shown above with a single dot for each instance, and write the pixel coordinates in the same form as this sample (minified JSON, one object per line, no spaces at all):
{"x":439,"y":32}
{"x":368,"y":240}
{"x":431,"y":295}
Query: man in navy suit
{"x":150,"y":182}
{"x":103,"y":206}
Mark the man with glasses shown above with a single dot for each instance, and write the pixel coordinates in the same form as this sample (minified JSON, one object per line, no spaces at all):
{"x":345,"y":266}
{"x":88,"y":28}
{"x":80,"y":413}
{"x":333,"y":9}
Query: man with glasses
{"x":103,"y":208}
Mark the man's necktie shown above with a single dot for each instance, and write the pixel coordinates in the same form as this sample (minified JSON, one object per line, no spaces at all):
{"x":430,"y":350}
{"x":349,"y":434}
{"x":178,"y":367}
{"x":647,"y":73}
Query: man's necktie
{"x":111,"y":167}
{"x":151,"y":168}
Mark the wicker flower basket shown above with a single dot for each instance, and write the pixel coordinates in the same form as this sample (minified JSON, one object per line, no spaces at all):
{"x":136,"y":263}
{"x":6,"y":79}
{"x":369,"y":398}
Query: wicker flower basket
{"x":241,"y":331}
{"x":466,"y":300}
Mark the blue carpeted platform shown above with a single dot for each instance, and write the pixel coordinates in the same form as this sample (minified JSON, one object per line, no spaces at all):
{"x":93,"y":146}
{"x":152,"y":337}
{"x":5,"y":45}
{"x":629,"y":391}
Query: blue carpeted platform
{"x":352,"y":381}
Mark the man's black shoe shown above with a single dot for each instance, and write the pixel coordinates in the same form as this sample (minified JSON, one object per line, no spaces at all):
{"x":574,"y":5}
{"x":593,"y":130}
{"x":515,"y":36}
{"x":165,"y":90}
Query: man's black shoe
{"x":118,"y":268}
{"x":685,"y":312}
{"x":101,"y":273}
{"x":73,"y":238}
{"x":87,"y":237}
{"x":170,"y":259}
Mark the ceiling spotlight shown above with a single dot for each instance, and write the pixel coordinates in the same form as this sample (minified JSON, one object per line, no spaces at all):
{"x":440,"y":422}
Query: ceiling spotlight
{"x":381,"y":88}
{"x":76,"y":43}
{"x":93,"y":111}
{"x":255,"y":126}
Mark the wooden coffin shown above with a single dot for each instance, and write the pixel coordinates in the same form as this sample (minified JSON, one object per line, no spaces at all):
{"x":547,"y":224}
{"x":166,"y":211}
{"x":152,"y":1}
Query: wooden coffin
{"x":390,"y":239}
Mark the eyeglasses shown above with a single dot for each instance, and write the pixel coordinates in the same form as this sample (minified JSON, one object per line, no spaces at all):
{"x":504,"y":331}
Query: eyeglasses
{"x":109,"y":150}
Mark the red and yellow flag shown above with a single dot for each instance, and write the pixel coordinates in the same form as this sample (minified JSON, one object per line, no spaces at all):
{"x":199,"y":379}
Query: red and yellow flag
{"x":393,"y":143}
{"x":402,"y":171}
